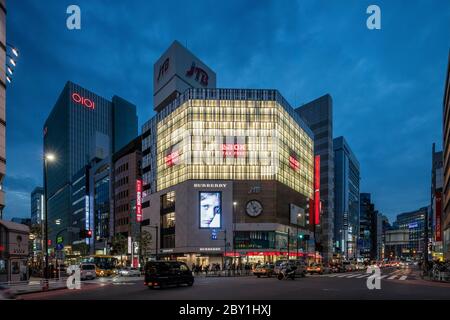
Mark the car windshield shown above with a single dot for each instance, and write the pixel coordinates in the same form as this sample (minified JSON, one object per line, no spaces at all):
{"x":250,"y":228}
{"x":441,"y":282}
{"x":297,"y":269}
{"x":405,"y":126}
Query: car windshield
{"x":88,"y":267}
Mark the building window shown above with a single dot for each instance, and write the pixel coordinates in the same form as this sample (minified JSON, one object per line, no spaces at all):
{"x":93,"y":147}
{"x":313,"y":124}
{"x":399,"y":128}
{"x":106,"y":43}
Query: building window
{"x":168,"y":200}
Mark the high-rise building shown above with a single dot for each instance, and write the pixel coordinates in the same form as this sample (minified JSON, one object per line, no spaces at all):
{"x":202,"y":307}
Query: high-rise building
{"x":128,"y":189}
{"x":346,"y":199}
{"x":82,"y":127}
{"x":318,"y":115}
{"x":37,"y":205}
{"x":367,"y":232}
{"x":2,"y":102}
{"x":446,"y":166}
{"x":414,"y":223}
{"x":437,"y":180}
{"x":227,"y":173}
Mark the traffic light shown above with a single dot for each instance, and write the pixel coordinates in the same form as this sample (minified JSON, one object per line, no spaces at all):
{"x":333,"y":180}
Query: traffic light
{"x":85,"y":234}
{"x":300,"y":236}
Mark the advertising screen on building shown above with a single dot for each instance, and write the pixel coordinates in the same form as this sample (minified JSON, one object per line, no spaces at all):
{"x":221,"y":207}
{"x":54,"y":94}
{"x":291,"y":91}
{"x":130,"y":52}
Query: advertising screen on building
{"x":210,"y":210}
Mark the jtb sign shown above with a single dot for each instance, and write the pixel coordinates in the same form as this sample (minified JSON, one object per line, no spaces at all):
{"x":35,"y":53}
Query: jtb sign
{"x":88,"y":103}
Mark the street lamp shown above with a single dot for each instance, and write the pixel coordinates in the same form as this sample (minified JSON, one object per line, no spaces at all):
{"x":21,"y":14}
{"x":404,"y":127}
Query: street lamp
{"x":48,"y":157}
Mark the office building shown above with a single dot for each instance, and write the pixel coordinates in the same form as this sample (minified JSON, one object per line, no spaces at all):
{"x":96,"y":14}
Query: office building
{"x":37,"y":205}
{"x":414,"y":223}
{"x":367,"y":228}
{"x":2,"y":102}
{"x":346,"y":199}
{"x":446,"y":166}
{"x":227,"y":173}
{"x":437,"y":181}
{"x":318,"y":115}
{"x":128,"y":189}
{"x":83,"y":128}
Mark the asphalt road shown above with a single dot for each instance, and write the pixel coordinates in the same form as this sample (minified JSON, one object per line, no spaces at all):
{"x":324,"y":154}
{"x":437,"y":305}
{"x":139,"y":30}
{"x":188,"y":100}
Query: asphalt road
{"x":395,"y":284}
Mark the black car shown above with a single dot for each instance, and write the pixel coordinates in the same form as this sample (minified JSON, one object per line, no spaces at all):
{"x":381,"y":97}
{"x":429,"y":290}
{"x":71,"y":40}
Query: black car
{"x":165,"y":273}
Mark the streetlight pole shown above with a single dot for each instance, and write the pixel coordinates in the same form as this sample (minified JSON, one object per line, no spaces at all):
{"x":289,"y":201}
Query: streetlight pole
{"x":234,"y":229}
{"x":47,"y":158}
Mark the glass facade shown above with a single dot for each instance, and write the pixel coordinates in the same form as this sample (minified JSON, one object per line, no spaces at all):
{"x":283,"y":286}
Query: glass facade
{"x":237,"y":135}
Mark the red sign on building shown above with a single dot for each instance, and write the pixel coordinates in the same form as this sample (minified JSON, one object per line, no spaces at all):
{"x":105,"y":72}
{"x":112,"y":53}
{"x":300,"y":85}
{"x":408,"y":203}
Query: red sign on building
{"x":294,"y":163}
{"x":317,"y":190}
{"x":138,"y":200}
{"x":88,"y":103}
{"x":172,"y":158}
{"x":233,"y":150}
{"x":438,"y":215}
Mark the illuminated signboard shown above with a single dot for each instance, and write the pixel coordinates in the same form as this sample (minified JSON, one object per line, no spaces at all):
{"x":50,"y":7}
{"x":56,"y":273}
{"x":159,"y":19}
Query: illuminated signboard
{"x":413,"y":225}
{"x":210,"y":210}
{"x":172,"y":158}
{"x":233,"y":150}
{"x":138,"y":200}
{"x":438,"y":210}
{"x":294,"y":163}
{"x":317,"y":189}
{"x":200,"y":75}
{"x":88,"y":103}
{"x":86,"y":224}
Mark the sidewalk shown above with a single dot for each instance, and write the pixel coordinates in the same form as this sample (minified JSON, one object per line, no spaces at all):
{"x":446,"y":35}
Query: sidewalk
{"x":35,"y":284}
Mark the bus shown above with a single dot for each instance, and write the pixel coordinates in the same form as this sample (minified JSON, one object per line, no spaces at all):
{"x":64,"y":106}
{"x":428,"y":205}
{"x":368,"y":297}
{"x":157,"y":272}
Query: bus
{"x":105,"y":266}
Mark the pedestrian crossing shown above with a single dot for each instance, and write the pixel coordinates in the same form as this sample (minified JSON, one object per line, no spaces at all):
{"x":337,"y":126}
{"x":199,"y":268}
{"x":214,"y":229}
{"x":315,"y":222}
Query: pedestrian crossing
{"x":361,"y":275}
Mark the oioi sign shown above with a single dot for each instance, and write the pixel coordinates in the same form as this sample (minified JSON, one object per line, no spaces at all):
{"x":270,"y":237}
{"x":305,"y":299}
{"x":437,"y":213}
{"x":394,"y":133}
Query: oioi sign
{"x":86,"y":102}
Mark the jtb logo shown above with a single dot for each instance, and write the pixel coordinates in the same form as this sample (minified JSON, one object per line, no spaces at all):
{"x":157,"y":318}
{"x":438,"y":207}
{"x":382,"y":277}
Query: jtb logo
{"x":163,"y":68}
{"x":200,"y":74}
{"x":74,"y":280}
{"x":74,"y":20}
{"x":373,"y":281}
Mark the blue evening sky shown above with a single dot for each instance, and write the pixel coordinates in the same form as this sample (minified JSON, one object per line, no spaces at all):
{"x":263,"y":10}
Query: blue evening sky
{"x":387,"y":85}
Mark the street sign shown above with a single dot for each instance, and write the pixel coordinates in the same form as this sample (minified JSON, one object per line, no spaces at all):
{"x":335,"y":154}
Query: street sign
{"x":213,"y":235}
{"x":60,"y":239}
{"x":59,"y":246}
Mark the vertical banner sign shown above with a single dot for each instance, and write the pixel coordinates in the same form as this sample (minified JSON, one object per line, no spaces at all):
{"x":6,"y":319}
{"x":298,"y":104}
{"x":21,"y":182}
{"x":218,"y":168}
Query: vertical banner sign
{"x":316,"y":190}
{"x":138,"y":200}
{"x":438,"y":210}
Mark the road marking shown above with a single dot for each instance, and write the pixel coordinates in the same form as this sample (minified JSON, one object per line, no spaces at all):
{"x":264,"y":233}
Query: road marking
{"x":354,"y":275}
{"x":403,"y":277}
{"x":333,"y":275}
{"x":393,"y":277}
{"x":342,"y":275}
{"x":363,"y":276}
{"x":382,"y":277}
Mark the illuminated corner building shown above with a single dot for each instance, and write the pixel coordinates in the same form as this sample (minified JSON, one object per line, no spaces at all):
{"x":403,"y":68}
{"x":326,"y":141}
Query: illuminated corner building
{"x":446,"y":154}
{"x":83,"y":129}
{"x":219,"y":146}
{"x":2,"y":102}
{"x":318,"y":115}
{"x":346,"y":199}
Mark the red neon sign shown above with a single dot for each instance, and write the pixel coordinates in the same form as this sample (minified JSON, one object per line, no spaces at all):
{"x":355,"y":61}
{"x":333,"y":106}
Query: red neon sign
{"x":438,"y":210}
{"x":138,"y":200}
{"x":317,"y":190}
{"x":233,"y":150}
{"x":77,"y":98}
{"x":172,"y":158}
{"x":294,"y":163}
{"x":2,"y":248}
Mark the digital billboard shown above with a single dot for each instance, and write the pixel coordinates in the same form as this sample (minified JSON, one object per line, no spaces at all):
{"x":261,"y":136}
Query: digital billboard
{"x":210,"y":210}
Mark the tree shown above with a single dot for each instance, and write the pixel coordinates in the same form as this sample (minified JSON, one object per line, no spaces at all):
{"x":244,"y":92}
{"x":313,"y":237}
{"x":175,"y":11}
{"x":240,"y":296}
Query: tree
{"x":145,"y":241}
{"x":119,"y":245}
